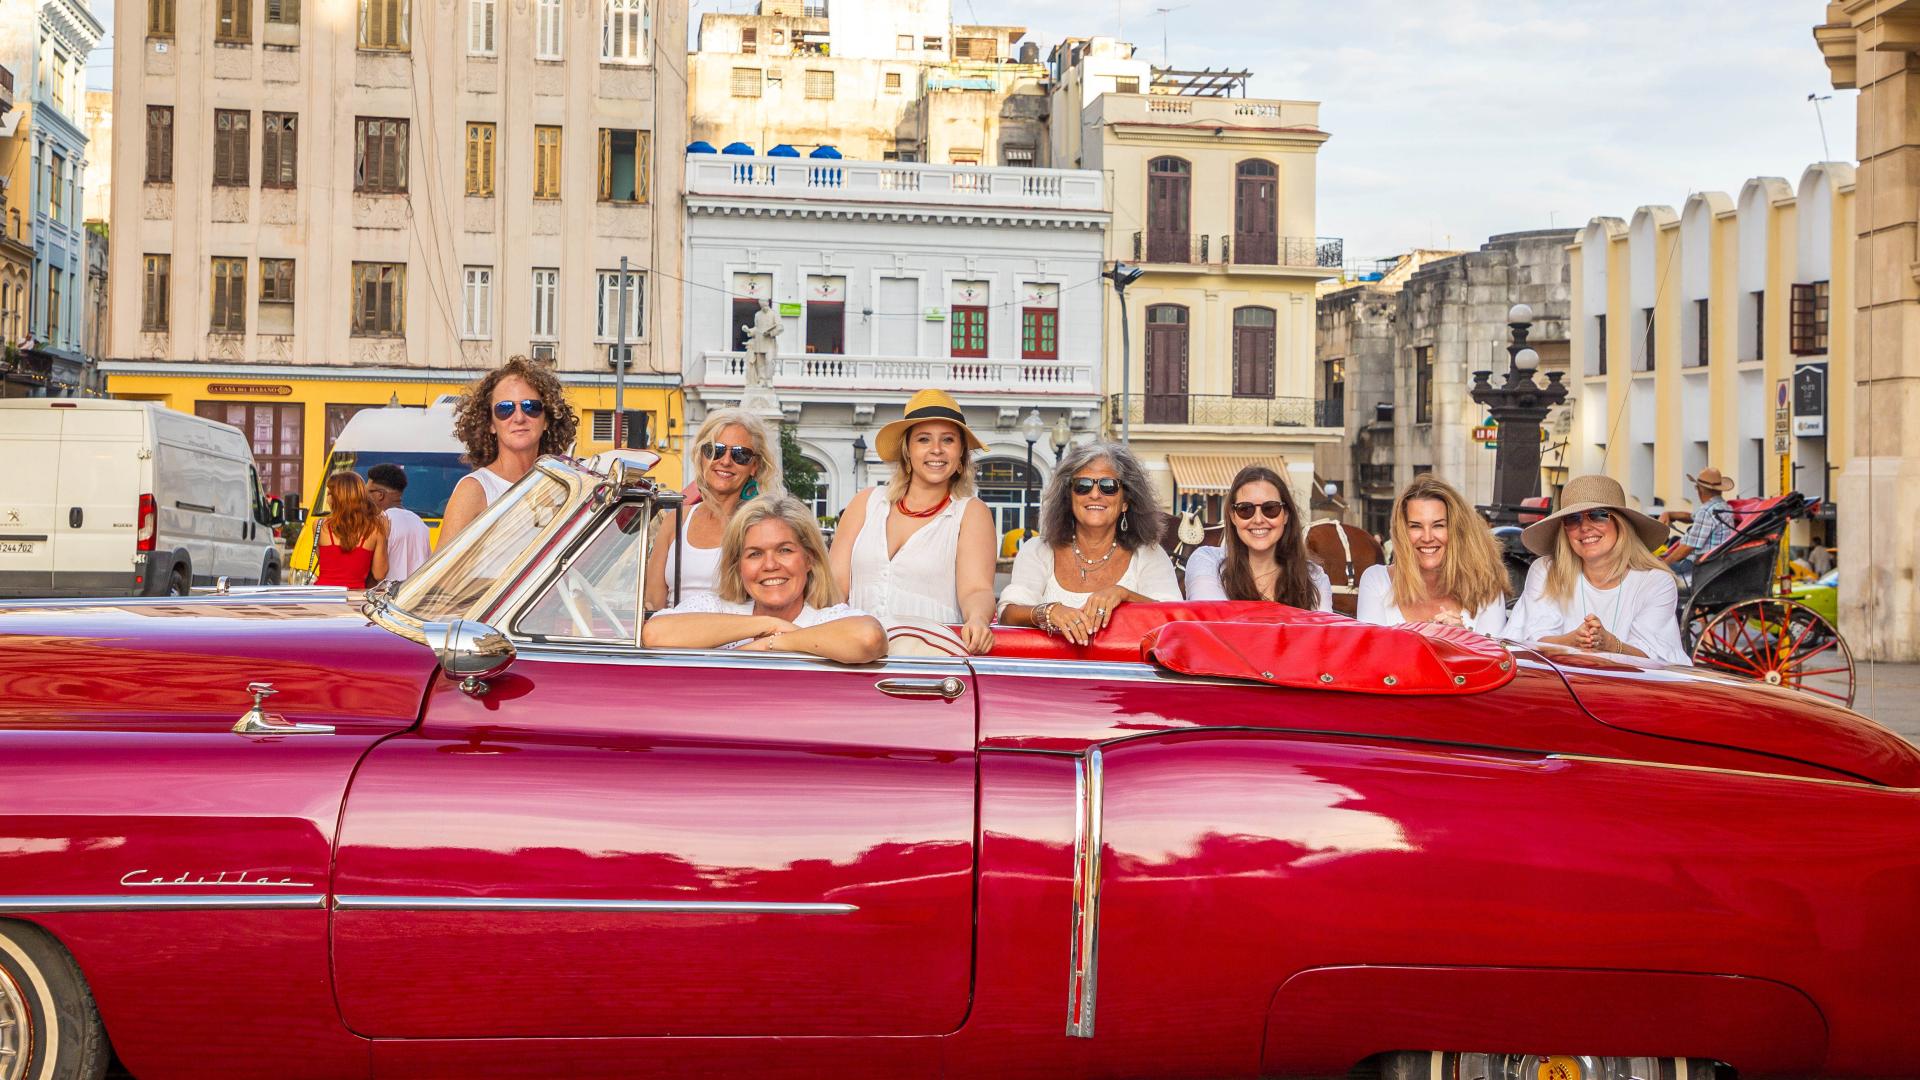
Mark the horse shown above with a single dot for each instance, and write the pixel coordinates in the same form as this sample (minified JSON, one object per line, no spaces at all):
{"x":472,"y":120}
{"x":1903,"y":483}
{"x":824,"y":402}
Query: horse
{"x":1344,"y":552}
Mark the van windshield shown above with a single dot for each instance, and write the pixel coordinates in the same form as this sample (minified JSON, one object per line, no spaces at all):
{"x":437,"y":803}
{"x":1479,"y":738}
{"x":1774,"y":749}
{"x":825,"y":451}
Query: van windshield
{"x":430,"y":477}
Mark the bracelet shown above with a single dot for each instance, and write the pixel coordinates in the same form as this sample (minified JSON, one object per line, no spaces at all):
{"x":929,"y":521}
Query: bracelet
{"x":1043,"y":617}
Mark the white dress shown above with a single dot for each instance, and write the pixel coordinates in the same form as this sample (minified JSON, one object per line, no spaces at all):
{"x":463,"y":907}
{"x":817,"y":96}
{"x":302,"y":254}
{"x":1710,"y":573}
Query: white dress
{"x":711,"y":604}
{"x":918,"y":582}
{"x":1203,"y":577}
{"x":1643,"y":611}
{"x":699,"y":570}
{"x":1149,"y":572}
{"x":1376,"y":605}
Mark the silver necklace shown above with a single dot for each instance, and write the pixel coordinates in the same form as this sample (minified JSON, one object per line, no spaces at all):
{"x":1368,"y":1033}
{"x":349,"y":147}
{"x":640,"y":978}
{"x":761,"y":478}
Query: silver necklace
{"x":1088,"y":566}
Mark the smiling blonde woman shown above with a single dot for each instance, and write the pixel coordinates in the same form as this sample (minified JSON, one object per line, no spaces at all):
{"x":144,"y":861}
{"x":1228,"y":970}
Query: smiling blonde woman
{"x":1445,"y":570}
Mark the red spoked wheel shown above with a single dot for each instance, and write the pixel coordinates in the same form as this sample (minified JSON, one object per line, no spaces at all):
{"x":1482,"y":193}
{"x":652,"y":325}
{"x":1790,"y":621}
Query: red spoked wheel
{"x":1778,"y":641}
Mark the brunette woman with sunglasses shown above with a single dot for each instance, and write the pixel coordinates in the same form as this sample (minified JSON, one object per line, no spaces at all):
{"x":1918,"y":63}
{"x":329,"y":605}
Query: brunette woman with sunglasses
{"x":514,"y":414}
{"x":735,"y":458}
{"x":1098,"y":548}
{"x":1263,"y":555}
{"x":1599,"y":586}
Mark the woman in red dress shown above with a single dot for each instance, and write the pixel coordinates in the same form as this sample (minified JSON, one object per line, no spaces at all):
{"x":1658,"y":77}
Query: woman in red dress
{"x":352,"y":545}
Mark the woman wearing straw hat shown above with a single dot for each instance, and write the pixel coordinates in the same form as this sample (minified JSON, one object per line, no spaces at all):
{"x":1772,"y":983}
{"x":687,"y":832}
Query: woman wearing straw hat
{"x":1599,"y":586}
{"x":921,"y":548}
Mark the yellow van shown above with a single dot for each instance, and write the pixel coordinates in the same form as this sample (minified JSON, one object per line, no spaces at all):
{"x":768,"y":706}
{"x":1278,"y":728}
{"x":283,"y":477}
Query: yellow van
{"x":418,"y":440}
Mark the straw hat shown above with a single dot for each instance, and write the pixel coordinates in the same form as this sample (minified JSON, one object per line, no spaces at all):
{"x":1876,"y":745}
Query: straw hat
{"x":923,"y":406}
{"x":1712,"y":479}
{"x":1591,"y":493}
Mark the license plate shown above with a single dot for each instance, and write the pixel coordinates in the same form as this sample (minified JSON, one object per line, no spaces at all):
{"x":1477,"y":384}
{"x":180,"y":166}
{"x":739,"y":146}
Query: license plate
{"x":18,"y":547}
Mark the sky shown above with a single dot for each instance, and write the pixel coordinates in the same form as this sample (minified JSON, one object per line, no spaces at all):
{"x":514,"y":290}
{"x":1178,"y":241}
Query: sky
{"x":1454,"y":120}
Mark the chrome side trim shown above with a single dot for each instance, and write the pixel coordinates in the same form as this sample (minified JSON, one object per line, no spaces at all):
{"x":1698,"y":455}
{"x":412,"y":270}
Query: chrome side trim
{"x":37,"y":905}
{"x":531,"y":903}
{"x":1084,"y":963}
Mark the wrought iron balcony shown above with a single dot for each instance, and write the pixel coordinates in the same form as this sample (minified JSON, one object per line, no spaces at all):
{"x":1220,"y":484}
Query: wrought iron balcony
{"x":1319,"y":252}
{"x":1330,"y":413}
{"x":824,"y":371}
{"x":1214,"y":410}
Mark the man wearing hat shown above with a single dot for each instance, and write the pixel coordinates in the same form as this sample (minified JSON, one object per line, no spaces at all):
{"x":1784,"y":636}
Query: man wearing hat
{"x":1712,"y":522}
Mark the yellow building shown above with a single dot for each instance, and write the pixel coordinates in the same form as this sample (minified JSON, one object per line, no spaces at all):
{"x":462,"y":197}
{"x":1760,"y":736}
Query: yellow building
{"x":1213,"y":200}
{"x":326,"y":207}
{"x":1690,"y":327}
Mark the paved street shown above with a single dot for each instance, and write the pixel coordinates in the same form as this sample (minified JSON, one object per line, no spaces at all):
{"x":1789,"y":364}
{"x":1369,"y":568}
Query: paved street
{"x":1890,"y":694}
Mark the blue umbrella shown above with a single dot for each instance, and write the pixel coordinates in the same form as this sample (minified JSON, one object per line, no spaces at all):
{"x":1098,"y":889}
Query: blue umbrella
{"x":825,"y":152}
{"x":739,"y":148}
{"x":783,"y":150}
{"x":701,"y":146}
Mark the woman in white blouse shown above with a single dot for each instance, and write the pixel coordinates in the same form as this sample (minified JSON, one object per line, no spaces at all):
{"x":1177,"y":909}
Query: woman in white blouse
{"x":774,"y":594}
{"x":921,"y":549}
{"x":1263,"y":555}
{"x":1446,"y":568}
{"x":736,"y":458}
{"x":1599,"y":586}
{"x":1098,"y":548}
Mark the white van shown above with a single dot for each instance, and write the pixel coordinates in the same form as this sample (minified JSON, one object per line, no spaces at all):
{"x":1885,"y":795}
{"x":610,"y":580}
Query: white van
{"x":127,"y":498}
{"x":420,"y":441}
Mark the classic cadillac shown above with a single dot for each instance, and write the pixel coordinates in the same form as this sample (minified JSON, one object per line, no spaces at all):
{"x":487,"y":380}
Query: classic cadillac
{"x":476,"y":829}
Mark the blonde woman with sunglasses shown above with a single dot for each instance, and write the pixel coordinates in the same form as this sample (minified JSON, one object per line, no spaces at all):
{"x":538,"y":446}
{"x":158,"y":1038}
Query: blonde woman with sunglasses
{"x":736,"y":458}
{"x":1263,"y":555}
{"x":1445,"y":569}
{"x":1599,"y":586}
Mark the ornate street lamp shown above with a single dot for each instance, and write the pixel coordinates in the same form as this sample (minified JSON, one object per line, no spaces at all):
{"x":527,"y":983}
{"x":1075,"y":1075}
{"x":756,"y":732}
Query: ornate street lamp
{"x":1061,"y":437}
{"x":1032,"y":427}
{"x":1517,"y":406}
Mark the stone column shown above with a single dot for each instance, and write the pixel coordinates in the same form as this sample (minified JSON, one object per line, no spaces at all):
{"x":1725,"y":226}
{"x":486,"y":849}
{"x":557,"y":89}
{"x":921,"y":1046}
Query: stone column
{"x":1872,"y":44}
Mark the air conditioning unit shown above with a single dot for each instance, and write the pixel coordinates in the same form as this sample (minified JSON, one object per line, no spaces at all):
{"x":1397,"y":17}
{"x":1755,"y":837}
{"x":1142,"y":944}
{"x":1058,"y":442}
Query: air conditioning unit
{"x":546,"y":351}
{"x":613,"y":355}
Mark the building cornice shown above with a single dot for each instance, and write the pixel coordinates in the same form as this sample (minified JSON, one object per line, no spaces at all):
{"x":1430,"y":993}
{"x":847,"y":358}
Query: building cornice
{"x":1129,"y":131}
{"x":712,"y":207}
{"x":197,"y":369}
{"x":73,"y":24}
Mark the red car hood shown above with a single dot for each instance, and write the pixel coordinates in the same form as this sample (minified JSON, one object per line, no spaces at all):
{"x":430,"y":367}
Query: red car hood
{"x":160,"y":664}
{"x":1700,"y":707}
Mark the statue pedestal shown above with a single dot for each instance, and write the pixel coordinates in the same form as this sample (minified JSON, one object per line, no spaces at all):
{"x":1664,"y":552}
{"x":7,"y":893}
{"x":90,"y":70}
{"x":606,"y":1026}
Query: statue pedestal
{"x":762,"y":402}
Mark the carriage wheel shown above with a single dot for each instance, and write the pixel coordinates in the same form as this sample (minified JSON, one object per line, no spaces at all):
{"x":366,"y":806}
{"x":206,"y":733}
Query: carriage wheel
{"x":1778,"y":641}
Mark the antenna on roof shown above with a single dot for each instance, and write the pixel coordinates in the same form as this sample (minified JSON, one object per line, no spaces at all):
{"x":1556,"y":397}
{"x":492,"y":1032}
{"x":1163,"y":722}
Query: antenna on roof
{"x":1815,"y":100}
{"x":1163,"y":12}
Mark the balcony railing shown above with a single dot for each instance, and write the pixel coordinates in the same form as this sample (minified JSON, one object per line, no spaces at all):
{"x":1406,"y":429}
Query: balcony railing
{"x":818,"y":371}
{"x":891,"y":181}
{"x":1217,"y":410}
{"x":1228,"y":250}
{"x":1330,"y":413}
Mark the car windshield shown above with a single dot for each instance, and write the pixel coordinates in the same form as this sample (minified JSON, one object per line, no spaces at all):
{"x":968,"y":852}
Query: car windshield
{"x":430,"y":477}
{"x":487,"y":552}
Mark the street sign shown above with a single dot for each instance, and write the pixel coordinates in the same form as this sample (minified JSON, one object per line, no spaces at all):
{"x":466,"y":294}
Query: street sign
{"x":1487,"y":434}
{"x":1783,"y":417}
{"x":789,"y":309}
{"x":1810,"y":400}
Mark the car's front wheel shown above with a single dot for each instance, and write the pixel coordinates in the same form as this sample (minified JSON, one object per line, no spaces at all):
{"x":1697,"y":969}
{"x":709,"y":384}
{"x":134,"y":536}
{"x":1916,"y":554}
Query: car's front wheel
{"x":49,"y":1028}
{"x":1432,"y":1066}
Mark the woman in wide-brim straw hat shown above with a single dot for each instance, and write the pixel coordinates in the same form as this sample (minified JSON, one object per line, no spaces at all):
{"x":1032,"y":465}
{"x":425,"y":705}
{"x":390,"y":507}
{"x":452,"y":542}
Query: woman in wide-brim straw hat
{"x":1598,"y":585}
{"x":922,"y":547}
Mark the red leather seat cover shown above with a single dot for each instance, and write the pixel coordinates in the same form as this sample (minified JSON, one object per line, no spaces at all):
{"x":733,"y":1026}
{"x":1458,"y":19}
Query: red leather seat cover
{"x":1345,"y":655}
{"x":1131,"y":623}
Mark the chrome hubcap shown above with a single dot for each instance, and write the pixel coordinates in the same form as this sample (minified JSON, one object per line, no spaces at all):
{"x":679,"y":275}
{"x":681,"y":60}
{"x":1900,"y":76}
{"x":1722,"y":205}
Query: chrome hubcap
{"x":16,"y":1029}
{"x":1531,"y":1067}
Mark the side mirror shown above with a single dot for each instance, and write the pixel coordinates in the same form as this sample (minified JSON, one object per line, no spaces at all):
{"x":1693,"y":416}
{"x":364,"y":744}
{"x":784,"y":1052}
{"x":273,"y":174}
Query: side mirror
{"x":470,"y":652}
{"x":276,"y":513}
{"x":291,"y":510}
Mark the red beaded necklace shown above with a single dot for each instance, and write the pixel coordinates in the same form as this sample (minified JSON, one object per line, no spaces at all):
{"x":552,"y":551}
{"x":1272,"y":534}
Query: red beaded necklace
{"x":928,"y":512}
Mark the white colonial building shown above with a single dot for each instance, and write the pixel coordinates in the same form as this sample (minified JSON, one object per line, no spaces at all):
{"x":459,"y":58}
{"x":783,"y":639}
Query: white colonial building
{"x":891,"y":277}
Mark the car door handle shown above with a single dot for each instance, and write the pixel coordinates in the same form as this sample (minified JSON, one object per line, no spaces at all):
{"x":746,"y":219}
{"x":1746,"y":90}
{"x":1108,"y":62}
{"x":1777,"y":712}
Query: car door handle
{"x":948,"y":688}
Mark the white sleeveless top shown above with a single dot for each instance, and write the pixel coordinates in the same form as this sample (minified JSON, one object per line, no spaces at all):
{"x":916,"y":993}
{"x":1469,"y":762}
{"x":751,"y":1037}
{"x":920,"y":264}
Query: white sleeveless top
{"x":492,"y":484}
{"x":918,"y":582}
{"x":699,"y":571}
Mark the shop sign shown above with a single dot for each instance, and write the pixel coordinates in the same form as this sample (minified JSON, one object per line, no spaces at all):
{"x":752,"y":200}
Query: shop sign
{"x":1810,"y":400}
{"x":1782,"y":417}
{"x":789,"y":308}
{"x":251,"y":389}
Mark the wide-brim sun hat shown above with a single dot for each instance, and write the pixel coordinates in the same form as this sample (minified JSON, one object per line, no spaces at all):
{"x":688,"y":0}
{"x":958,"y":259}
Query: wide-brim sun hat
{"x":1712,"y":479}
{"x":1591,"y":493}
{"x":922,"y":407}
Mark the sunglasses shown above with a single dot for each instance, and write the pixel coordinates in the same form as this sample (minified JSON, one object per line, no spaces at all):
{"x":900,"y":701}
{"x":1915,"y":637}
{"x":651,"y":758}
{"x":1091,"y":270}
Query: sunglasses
{"x":1271,"y":510}
{"x":533,"y":407}
{"x":1084,"y":485}
{"x":1598,"y":517}
{"x":742,"y":455}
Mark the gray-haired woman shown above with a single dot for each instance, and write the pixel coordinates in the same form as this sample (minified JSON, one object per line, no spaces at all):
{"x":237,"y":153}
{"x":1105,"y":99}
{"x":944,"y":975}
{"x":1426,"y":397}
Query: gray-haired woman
{"x":1098,"y":548}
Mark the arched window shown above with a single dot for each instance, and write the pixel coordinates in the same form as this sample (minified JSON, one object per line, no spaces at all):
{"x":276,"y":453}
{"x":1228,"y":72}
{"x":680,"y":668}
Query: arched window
{"x":1166,"y":364}
{"x":822,"y":498}
{"x":1169,"y":202}
{"x":1011,"y":491}
{"x":1253,"y":351}
{"x":1256,"y":213}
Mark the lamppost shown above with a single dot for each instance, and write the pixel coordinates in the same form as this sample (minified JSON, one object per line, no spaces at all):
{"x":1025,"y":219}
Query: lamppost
{"x":1122,"y":276}
{"x":1061,"y":437}
{"x":1517,"y":407}
{"x":859,"y":461}
{"x":1032,"y":427}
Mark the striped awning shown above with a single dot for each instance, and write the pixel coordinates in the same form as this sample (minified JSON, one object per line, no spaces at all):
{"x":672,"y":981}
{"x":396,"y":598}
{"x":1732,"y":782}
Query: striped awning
{"x":1204,"y":474}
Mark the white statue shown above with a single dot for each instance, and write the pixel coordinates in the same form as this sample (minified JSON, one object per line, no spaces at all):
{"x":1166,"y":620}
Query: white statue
{"x":760,"y":347}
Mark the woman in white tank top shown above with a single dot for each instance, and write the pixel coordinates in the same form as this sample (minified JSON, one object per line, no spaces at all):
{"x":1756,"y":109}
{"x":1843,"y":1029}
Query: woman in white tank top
{"x":921,"y":548}
{"x":735,"y":458}
{"x":515,"y":413}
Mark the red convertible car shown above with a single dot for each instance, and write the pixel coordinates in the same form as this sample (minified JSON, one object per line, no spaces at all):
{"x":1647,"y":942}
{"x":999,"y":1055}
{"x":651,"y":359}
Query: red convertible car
{"x":475,"y":829}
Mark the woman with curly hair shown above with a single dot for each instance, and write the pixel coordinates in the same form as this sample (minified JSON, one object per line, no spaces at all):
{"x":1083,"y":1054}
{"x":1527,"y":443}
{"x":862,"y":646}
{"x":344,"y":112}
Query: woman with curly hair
{"x":1446,"y":568}
{"x":1263,"y":555}
{"x":515,"y":413}
{"x":351,"y":548}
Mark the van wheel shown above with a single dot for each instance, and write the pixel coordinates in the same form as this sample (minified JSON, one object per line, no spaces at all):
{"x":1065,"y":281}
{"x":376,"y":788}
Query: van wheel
{"x":270,"y":574}
{"x":180,"y":584}
{"x":49,"y":1026}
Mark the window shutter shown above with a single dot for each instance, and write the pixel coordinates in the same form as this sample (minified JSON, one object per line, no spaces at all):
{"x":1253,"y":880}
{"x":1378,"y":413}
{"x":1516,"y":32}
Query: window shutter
{"x":473,"y":159}
{"x":222,"y":152}
{"x":606,"y":165}
{"x":643,"y":166}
